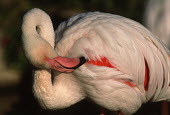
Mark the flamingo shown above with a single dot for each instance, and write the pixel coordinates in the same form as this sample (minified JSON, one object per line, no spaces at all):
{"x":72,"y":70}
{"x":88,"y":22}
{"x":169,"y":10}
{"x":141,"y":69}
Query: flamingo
{"x":112,"y":60}
{"x":157,"y":19}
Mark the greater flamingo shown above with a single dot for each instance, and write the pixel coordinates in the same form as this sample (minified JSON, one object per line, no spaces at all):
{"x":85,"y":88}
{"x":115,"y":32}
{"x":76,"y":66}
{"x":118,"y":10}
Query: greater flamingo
{"x":112,"y":60}
{"x":157,"y":19}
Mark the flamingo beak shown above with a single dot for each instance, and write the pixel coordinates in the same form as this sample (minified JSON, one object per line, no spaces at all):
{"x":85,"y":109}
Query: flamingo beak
{"x":63,"y":64}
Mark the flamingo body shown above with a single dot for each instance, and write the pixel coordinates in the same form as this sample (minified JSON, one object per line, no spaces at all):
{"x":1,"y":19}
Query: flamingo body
{"x":127,"y":65}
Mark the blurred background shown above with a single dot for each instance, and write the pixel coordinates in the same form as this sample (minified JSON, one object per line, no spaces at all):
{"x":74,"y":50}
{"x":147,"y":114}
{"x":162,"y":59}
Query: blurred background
{"x":16,"y":97}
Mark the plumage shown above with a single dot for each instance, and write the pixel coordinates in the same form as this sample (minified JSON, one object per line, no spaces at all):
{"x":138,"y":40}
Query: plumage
{"x":156,"y":19}
{"x":132,"y":57}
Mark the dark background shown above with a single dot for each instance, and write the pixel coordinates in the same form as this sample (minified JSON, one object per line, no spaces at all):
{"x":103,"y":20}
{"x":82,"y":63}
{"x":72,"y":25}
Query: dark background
{"x":16,"y":97}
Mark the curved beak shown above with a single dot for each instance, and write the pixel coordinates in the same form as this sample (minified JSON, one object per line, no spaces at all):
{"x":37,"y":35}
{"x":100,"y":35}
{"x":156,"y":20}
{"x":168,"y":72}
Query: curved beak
{"x":63,"y":64}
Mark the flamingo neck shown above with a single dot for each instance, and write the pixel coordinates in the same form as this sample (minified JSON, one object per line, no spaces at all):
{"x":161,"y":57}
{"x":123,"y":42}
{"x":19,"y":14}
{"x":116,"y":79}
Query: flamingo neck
{"x":37,"y":23}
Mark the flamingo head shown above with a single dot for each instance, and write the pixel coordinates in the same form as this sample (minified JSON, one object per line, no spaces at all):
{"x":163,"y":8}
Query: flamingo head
{"x":38,"y":38}
{"x":43,"y":56}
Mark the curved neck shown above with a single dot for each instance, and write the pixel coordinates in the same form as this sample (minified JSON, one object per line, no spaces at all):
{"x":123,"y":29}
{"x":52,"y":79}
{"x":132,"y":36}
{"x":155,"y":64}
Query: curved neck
{"x":37,"y":22}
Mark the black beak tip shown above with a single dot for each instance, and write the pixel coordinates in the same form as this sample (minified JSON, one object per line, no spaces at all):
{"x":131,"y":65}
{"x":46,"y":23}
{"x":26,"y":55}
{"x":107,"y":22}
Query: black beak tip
{"x":83,"y":60}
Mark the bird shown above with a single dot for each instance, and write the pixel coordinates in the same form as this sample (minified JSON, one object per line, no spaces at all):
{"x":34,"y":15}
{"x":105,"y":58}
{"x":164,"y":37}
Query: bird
{"x":112,"y":60}
{"x":156,"y":19}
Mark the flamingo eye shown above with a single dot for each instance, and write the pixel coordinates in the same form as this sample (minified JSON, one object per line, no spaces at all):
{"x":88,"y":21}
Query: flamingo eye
{"x":38,"y":29}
